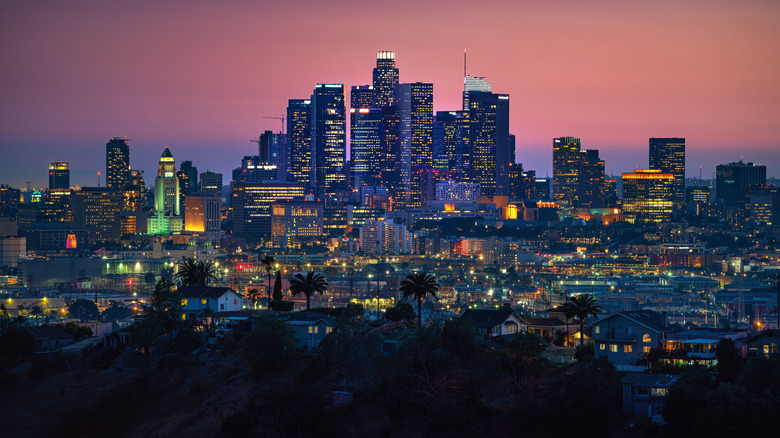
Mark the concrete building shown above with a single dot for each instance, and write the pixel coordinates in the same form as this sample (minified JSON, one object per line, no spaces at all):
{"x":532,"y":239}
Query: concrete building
{"x":295,"y":220}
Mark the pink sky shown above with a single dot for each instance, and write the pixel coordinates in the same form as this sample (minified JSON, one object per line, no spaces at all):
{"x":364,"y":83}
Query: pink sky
{"x":199,"y":76}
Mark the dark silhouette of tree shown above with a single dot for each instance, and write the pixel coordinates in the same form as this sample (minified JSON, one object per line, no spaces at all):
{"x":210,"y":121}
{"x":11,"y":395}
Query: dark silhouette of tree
{"x":729,"y":361}
{"x":568,"y":313}
{"x":402,"y":311}
{"x":268,"y":262}
{"x":278,"y":287}
{"x":582,"y":307}
{"x":419,"y":285}
{"x":192,"y":273}
{"x":253,"y":295}
{"x":84,"y":310}
{"x":313,"y":282}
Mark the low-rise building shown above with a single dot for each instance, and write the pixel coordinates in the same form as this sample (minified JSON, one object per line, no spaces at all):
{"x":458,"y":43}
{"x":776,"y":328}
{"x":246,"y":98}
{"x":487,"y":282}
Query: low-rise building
{"x":625,"y":338}
{"x":200,"y":299}
{"x":644,"y":395}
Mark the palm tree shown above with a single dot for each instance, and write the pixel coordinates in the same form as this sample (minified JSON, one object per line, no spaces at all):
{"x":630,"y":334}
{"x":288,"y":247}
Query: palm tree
{"x":308,"y":285}
{"x":267,"y":263}
{"x":418,"y":285}
{"x":582,"y":307}
{"x":568,"y":313}
{"x":192,"y":273}
{"x":254,"y":297}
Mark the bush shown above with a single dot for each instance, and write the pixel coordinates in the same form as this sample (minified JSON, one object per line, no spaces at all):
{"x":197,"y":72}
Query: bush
{"x":269,"y":347}
{"x":281,"y":305}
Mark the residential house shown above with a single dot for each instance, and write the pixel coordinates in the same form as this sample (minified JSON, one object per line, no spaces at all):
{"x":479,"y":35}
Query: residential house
{"x":495,"y":322}
{"x":49,"y":338}
{"x":688,"y":346}
{"x":644,"y":395}
{"x":545,"y":327}
{"x":626,"y":338}
{"x":199,"y":299}
{"x":765,"y":343}
{"x":310,"y":328}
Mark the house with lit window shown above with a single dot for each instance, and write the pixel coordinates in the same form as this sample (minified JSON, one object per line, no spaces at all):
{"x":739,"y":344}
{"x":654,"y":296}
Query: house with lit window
{"x":310,"y":328}
{"x":495,"y":322}
{"x":699,"y":346}
{"x":766,"y":343}
{"x":644,"y":395}
{"x":205,"y":299}
{"x":625,"y":338}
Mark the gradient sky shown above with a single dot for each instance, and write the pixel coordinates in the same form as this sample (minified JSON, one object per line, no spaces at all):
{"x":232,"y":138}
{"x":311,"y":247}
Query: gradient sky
{"x":198,"y":76}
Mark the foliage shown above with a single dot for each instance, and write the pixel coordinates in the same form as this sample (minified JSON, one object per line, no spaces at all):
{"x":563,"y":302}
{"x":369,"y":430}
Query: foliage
{"x":418,"y":285}
{"x":729,"y":361}
{"x":526,"y":345}
{"x":162,"y":315}
{"x":312,"y":283}
{"x":254,"y":296}
{"x":402,"y":311}
{"x":269,"y":347}
{"x":192,"y":273}
{"x":149,"y":278}
{"x":585,"y":352}
{"x":581,"y":307}
{"x":84,"y":310}
{"x":268,"y":262}
{"x":277,"y":295}
{"x":16,"y":344}
{"x":77,"y":331}
{"x":116,"y":312}
{"x":281,"y":305}
{"x":459,"y":337}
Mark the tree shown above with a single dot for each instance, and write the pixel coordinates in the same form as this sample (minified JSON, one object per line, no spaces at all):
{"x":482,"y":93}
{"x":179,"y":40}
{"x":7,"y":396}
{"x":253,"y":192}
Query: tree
{"x":582,"y":307}
{"x":267,"y":263}
{"x":77,"y":331}
{"x":165,"y":306}
{"x":149,"y":278}
{"x":254,"y":296}
{"x":419,"y":285}
{"x":402,"y":311}
{"x":278,"y":287}
{"x":568,"y":314}
{"x":269,"y":347}
{"x":312,"y":283}
{"x":84,"y":310}
{"x":526,"y":345}
{"x":192,"y":273}
{"x":729,"y":361}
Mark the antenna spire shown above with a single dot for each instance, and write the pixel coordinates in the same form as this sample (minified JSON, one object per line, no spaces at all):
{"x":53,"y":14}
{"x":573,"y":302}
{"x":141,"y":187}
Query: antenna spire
{"x":464,"y":64}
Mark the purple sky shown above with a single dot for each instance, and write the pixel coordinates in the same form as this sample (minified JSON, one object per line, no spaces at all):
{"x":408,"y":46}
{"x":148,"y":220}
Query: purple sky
{"x":199,"y":76}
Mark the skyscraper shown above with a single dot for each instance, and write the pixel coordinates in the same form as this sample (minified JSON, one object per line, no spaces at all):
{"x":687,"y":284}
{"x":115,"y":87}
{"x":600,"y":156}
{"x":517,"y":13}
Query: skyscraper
{"x":202,"y":213}
{"x":591,"y":190}
{"x":732,"y":183}
{"x":668,"y":156}
{"x":474,"y":84}
{"x":648,"y":195}
{"x":451,"y":140}
{"x":117,"y":163}
{"x":59,"y":176}
{"x":328,"y":139}
{"x":211,"y":184}
{"x":365,"y":137}
{"x":415,"y":138}
{"x":578,"y":174}
{"x":188,"y":178}
{"x":489,"y":129}
{"x":299,"y":141}
{"x":273,"y":151}
{"x":252,"y":205}
{"x":166,"y":217}
{"x":385,"y":79}
{"x":98,"y":210}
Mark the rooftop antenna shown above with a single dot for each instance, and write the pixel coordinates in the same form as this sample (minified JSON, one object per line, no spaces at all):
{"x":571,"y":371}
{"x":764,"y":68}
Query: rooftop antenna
{"x":464,"y":65}
{"x":98,"y":178}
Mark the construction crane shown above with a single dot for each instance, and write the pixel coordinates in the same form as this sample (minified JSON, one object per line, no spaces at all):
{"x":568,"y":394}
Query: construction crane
{"x":282,"y":118}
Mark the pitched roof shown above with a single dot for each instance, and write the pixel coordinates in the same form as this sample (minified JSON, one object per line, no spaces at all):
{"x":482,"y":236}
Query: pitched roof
{"x":487,"y":317}
{"x":652,"y":320}
{"x":543,"y":322}
{"x":167,"y":153}
{"x":48,"y":332}
{"x":649,"y":380}
{"x":310,"y":317}
{"x":203,"y":291}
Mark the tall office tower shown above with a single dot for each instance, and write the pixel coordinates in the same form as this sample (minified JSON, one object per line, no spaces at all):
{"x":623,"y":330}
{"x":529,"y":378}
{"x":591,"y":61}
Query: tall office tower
{"x":764,"y":205}
{"x":188,"y":178}
{"x":522,"y":183}
{"x":166,"y":218}
{"x":732,"y":183}
{"x":273,"y":151}
{"x":365,"y":137}
{"x":489,"y":129}
{"x":451,"y":141}
{"x":117,"y":163}
{"x":299,"y":141}
{"x":385,"y":79}
{"x":99,"y":211}
{"x":668,"y":156}
{"x":254,"y":169}
{"x":202,"y":213}
{"x":328,"y":139}
{"x":566,"y":168}
{"x":472,"y":84}
{"x":295,"y":220}
{"x":648,"y":195}
{"x":512,"y":151}
{"x":211,"y":184}
{"x":252,"y":205}
{"x":543,"y":187}
{"x":134,"y":195}
{"x":415,"y":137}
{"x":611,"y":199}
{"x":59,"y":176}
{"x":591,"y":189}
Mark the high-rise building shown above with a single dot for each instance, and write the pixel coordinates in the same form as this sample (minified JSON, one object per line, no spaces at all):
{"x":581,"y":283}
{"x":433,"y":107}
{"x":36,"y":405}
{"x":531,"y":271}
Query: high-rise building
{"x":99,"y":211}
{"x":578,"y":174}
{"x":59,"y":176}
{"x":542,"y":188}
{"x":211,"y":184}
{"x":188,"y":178}
{"x":166,"y":218}
{"x":328,"y":139}
{"x":273,"y":150}
{"x":294,"y":220}
{"x":254,"y":169}
{"x":451,"y":141}
{"x":299,"y":141}
{"x":202,"y":213}
{"x":648,"y":195}
{"x":591,"y":190}
{"x":457,"y":191}
{"x":490,"y":147}
{"x":118,"y":163}
{"x":252,"y":205}
{"x":415,"y":137}
{"x":668,"y":156}
{"x":472,"y":84}
{"x":732,"y":182}
{"x":365,"y":137}
{"x":764,"y":205}
{"x":385,"y":79}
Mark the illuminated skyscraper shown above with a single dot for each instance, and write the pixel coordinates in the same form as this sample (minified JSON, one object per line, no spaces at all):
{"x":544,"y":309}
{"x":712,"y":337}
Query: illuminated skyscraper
{"x":578,"y":174}
{"x":328,"y":139}
{"x":252,"y":205}
{"x":451,"y":141}
{"x":188,"y":178}
{"x":273,"y":151}
{"x":365,"y":137}
{"x":166,"y":218}
{"x":648,"y":195}
{"x":490,"y":146}
{"x":59,"y":176}
{"x":117,"y":163}
{"x":732,"y":183}
{"x":385,"y":79}
{"x":415,"y":138}
{"x":211,"y":184}
{"x":668,"y":156}
{"x":98,"y":210}
{"x":299,"y":141}
{"x":202,"y":213}
{"x":473,"y":84}
{"x":591,"y":190}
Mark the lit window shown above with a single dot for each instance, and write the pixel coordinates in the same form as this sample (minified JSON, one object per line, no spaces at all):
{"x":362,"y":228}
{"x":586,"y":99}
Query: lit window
{"x":602,"y":346}
{"x":613,"y":348}
{"x":328,"y":330}
{"x":646,"y":350}
{"x":626,"y":349}
{"x":184,"y":302}
{"x":311,"y":329}
{"x":316,"y":329}
{"x":646,"y":338}
{"x":597,"y":329}
{"x":204,"y":301}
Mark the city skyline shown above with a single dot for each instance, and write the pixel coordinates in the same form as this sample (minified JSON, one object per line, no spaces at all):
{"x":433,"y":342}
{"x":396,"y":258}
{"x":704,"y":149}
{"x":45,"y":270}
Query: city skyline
{"x":611,"y":74}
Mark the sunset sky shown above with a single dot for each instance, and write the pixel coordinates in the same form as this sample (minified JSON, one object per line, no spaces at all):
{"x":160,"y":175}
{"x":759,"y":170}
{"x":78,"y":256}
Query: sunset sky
{"x":198,"y":76}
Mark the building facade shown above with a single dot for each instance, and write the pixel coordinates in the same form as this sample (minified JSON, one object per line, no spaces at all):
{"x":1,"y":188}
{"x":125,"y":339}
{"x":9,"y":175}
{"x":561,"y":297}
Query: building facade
{"x":328,"y":139}
{"x":648,"y":195}
{"x":117,"y":163}
{"x":668,"y":156}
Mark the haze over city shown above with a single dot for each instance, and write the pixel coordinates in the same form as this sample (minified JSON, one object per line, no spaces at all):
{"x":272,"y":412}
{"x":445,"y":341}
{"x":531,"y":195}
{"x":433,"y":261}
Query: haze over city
{"x":199,"y":77}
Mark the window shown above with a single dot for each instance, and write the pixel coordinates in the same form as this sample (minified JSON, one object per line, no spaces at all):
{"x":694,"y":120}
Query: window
{"x":235,"y":301}
{"x":316,"y":329}
{"x":311,"y":329}
{"x":647,"y":338}
{"x":183,"y":301}
{"x":597,"y":329}
{"x":646,"y":349}
{"x":221,"y":307}
{"x":626,"y":349}
{"x":204,"y":301}
{"x":602,"y":346}
{"x":328,"y":330}
{"x":659,"y":392}
{"x":628,"y":330}
{"x":613,"y":348}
